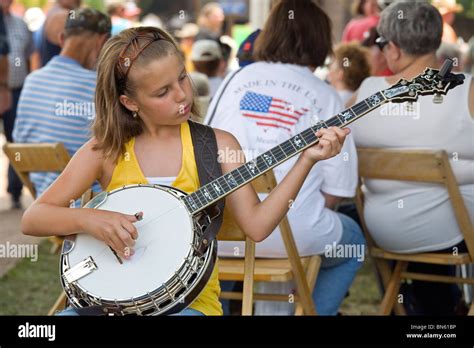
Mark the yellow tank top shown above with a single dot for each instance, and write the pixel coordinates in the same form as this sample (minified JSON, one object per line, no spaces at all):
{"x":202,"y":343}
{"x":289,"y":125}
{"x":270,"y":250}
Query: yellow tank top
{"x":128,"y":172}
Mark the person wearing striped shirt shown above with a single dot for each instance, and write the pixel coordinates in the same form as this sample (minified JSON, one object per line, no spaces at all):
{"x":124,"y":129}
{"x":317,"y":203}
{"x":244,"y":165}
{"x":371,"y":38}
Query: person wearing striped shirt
{"x":57,"y":101}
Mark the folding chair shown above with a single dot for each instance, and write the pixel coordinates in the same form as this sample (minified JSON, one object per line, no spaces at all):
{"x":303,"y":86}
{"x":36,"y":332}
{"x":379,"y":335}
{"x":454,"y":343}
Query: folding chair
{"x":37,"y":157}
{"x":420,"y":166}
{"x":303,"y":270}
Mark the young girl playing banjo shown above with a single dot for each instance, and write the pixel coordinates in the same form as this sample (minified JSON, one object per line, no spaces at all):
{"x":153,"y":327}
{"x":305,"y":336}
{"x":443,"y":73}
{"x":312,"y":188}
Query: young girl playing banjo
{"x":144,"y":99}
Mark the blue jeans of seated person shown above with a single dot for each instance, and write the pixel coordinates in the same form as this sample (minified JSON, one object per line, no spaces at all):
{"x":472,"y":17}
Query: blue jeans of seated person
{"x":336,"y":274}
{"x":185,"y":312}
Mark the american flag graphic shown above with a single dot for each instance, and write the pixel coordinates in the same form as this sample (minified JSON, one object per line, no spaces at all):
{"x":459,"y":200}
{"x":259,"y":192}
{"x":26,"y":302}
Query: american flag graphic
{"x":269,"y":111}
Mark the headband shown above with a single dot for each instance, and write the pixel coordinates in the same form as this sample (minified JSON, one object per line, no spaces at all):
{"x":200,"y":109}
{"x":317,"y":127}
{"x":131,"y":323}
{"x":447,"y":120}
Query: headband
{"x":138,"y":43}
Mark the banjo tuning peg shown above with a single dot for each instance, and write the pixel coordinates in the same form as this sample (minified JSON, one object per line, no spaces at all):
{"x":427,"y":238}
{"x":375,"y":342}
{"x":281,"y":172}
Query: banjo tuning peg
{"x":437,"y":99}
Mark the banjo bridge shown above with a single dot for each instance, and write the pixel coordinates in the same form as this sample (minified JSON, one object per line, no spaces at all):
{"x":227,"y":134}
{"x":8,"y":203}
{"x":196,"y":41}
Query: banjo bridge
{"x":80,"y":270}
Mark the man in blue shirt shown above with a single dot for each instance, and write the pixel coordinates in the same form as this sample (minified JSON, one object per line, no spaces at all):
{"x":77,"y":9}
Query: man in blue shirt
{"x":57,"y":101}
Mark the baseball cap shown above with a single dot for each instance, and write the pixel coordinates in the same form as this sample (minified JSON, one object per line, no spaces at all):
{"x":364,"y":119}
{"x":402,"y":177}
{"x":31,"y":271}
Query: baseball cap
{"x":206,"y":50}
{"x":245,"y":52}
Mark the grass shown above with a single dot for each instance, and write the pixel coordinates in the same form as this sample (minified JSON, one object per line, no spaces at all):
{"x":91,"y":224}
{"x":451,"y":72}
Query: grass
{"x":364,"y":295}
{"x":31,"y":288}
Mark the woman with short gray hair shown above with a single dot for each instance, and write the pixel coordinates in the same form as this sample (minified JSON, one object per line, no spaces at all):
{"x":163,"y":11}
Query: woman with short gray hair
{"x":410,"y":34}
{"x":416,"y":28}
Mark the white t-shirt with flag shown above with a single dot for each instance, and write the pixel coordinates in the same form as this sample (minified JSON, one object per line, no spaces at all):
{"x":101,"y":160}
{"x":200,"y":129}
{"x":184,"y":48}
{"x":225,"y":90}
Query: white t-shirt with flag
{"x":263,"y":105}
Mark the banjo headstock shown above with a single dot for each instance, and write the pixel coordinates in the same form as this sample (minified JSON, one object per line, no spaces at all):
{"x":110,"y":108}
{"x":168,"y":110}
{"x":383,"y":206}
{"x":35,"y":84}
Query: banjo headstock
{"x":430,"y":82}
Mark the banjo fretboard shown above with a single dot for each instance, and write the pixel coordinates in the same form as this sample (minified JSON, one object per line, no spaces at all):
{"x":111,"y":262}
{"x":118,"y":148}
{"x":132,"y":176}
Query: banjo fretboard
{"x":217,"y":189}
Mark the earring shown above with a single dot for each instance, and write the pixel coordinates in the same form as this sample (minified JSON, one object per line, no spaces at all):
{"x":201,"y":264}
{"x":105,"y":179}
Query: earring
{"x":135,"y":114}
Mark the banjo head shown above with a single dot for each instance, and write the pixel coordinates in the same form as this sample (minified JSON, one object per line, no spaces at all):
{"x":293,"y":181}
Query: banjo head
{"x":165,"y":238}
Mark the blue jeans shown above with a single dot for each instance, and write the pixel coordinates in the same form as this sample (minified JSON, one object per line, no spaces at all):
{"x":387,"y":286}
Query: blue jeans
{"x":14,"y":183}
{"x":185,"y":312}
{"x":336,"y":274}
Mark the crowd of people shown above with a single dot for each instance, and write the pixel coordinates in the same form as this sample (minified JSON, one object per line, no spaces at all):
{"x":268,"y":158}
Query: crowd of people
{"x":88,"y":97}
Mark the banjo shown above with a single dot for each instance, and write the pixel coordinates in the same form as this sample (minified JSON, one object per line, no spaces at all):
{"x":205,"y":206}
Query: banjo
{"x":174,"y":256}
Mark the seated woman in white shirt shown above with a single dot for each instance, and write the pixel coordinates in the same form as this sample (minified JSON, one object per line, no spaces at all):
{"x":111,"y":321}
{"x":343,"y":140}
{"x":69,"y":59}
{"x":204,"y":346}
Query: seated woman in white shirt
{"x":425,"y":220}
{"x":349,"y":67}
{"x":267,"y":102}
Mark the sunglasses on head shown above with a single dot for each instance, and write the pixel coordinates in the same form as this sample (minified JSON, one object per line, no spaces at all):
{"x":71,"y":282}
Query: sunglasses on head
{"x":381,"y":42}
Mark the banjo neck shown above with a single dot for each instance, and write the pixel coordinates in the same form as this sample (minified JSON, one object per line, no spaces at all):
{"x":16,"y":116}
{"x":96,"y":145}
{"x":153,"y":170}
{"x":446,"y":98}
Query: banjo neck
{"x":219,"y":188}
{"x":430,"y":82}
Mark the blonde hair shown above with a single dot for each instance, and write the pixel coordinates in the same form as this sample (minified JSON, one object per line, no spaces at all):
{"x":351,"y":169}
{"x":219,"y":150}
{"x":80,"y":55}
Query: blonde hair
{"x":114,"y":124}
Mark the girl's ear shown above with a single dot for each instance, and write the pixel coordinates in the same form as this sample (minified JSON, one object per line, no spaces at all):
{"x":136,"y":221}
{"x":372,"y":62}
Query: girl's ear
{"x":129,"y":103}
